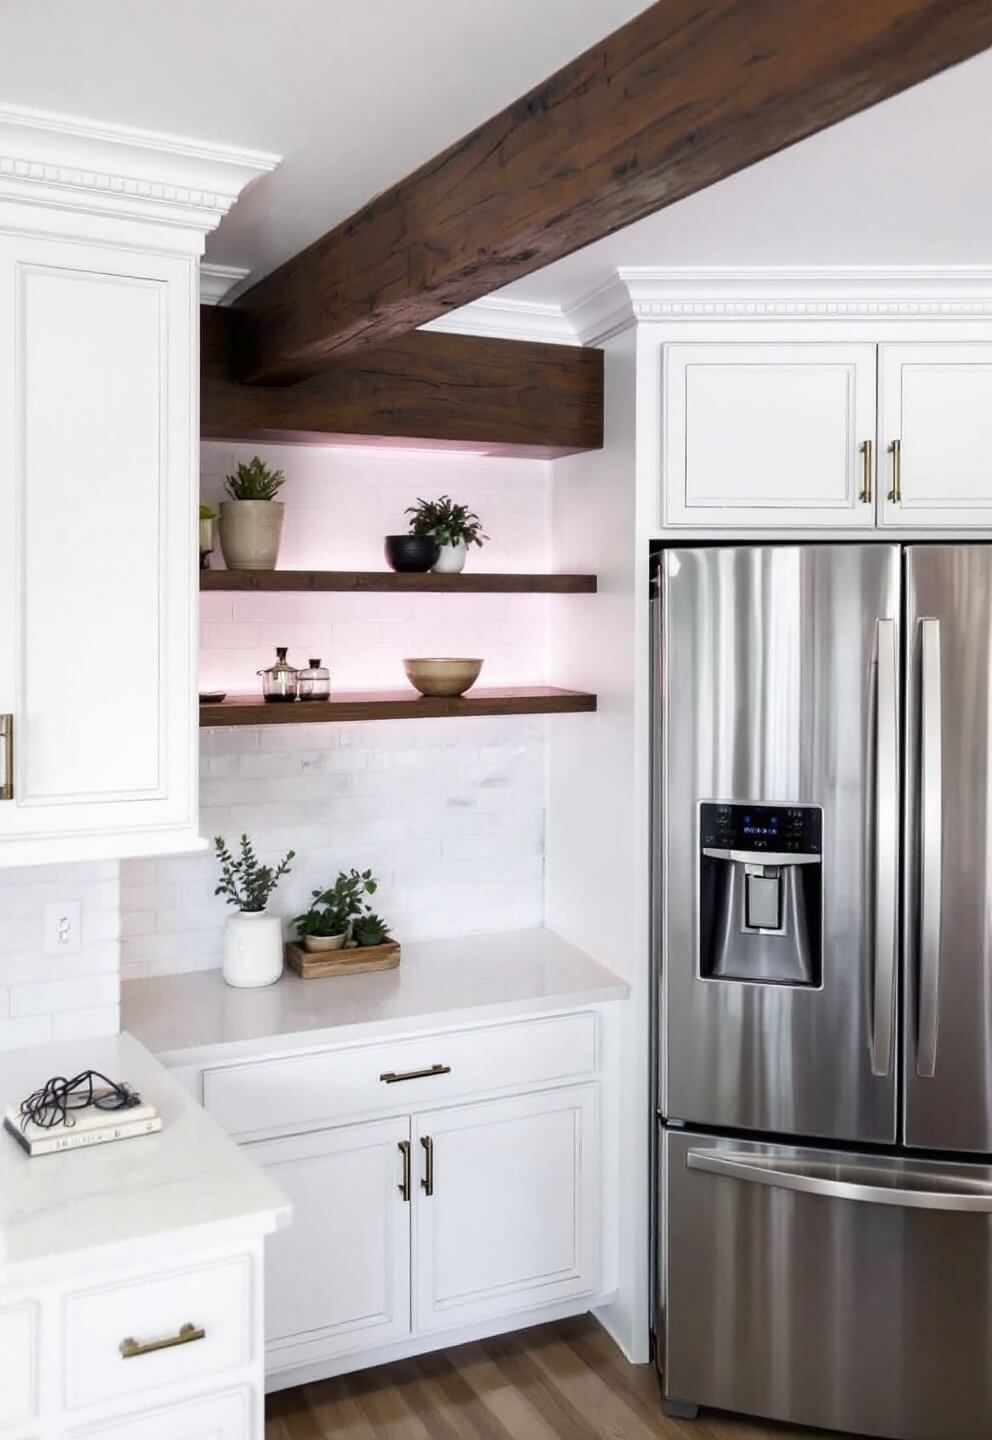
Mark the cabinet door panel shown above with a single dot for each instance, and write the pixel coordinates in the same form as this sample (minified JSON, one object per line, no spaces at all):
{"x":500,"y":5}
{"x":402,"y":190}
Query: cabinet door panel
{"x":98,"y":606}
{"x":768,"y":435}
{"x":18,"y":1364}
{"x":936,"y":400}
{"x":234,"y":1415}
{"x":338,"y":1278}
{"x":513,"y":1221}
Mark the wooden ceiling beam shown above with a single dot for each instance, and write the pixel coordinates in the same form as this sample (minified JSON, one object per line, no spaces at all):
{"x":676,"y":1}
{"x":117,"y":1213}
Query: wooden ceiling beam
{"x":685,"y":94}
{"x":505,"y":397}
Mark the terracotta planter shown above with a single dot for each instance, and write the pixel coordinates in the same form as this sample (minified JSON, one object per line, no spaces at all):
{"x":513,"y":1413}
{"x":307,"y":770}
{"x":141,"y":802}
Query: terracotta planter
{"x":450,"y":559}
{"x":250,"y":531}
{"x":253,"y":953}
{"x":315,"y":944}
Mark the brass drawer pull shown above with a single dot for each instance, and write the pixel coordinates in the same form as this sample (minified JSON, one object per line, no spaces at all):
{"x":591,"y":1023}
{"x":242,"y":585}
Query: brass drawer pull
{"x":895,"y":494}
{"x":405,"y":1182}
{"x":187,"y":1334}
{"x":865,"y":496}
{"x":7,"y":748}
{"x":427,"y":1184}
{"x":390,"y":1077}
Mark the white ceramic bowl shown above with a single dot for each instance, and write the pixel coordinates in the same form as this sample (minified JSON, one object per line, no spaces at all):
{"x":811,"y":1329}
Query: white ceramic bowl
{"x":442,"y":676}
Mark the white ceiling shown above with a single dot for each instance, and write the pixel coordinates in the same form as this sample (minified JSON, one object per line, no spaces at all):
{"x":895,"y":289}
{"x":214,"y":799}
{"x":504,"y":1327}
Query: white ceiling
{"x":908,"y":182}
{"x":354,"y":94}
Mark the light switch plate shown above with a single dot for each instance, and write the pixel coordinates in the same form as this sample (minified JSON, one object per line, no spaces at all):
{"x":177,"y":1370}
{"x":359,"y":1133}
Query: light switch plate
{"x":63,"y":927}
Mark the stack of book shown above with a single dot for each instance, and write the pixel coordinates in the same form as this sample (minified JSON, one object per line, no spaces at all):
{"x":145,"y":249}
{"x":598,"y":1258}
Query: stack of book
{"x":89,"y":1125}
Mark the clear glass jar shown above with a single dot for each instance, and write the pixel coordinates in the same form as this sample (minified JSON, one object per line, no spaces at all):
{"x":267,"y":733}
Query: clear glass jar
{"x":315,"y":682}
{"x":280,"y":682}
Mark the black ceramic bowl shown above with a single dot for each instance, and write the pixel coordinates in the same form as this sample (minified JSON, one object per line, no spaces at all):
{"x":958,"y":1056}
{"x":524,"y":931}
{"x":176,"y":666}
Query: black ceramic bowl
{"x":411,"y":552}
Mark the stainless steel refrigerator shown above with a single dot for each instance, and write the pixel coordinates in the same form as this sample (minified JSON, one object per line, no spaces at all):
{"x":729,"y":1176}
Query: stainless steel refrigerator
{"x":823,"y":941}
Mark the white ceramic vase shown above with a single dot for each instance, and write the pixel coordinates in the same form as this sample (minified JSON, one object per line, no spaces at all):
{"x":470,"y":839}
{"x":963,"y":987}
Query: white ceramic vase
{"x":451,"y":559}
{"x":252,"y":949}
{"x":250,"y":531}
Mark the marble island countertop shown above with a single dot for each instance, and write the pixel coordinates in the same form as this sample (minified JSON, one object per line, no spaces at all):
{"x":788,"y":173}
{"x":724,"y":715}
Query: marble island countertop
{"x":196,"y":1018}
{"x":65,"y":1211}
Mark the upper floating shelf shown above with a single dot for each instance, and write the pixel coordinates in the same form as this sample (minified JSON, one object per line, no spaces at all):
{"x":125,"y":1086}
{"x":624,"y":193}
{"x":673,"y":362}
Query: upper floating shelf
{"x":472,"y":583}
{"x":397,"y":705}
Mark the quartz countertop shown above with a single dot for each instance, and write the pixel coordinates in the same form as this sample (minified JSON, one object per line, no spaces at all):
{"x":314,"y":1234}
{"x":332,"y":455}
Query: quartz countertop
{"x":59,"y":1212}
{"x":196,"y":1018}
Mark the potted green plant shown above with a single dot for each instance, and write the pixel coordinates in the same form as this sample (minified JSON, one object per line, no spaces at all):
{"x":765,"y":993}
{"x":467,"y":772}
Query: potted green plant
{"x":207,"y":518}
{"x":454,"y":526}
{"x":253,"y":953}
{"x":251,"y":517}
{"x":368,"y":929}
{"x":326,"y":925}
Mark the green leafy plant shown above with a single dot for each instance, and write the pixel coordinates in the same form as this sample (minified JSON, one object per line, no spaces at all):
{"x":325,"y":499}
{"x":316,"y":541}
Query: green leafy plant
{"x":333,"y":910}
{"x":449,"y":523}
{"x":370,"y":929}
{"x":206,"y":513}
{"x":255,"y":481}
{"x":244,"y":882}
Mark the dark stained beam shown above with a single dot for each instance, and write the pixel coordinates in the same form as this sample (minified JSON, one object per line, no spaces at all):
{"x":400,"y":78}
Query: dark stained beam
{"x":506,"y":397}
{"x":684,"y":95}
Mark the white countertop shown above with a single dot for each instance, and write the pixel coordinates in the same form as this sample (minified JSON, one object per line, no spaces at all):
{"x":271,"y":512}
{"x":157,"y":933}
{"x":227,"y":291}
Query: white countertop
{"x":196,"y":1018}
{"x":64,"y":1210}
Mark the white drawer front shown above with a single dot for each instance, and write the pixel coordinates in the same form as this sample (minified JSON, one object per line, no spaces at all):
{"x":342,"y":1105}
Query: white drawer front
{"x":214,"y":1417}
{"x":217,"y":1299}
{"x":313,"y":1089}
{"x":18,"y":1364}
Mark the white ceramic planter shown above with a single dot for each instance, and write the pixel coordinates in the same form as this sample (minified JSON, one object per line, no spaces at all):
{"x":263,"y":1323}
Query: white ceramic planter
{"x":451,"y":559}
{"x":252,"y":950}
{"x":250,"y":531}
{"x":314,"y":944}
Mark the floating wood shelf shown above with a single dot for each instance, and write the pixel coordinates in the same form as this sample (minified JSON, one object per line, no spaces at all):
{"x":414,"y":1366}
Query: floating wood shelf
{"x":396,"y":705}
{"x":473,"y":583}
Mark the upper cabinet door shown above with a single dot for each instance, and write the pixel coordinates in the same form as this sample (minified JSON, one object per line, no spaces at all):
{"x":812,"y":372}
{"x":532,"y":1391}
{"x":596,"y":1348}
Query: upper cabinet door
{"x":769,"y":436}
{"x":97,"y":499}
{"x":935,"y":435}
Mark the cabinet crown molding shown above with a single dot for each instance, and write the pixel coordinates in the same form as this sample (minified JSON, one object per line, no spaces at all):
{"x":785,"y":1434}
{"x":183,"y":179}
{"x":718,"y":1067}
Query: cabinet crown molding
{"x":644,"y":294}
{"x":65,"y":163}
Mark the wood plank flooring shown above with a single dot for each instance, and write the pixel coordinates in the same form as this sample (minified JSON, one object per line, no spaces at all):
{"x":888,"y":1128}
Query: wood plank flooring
{"x":566,"y":1381}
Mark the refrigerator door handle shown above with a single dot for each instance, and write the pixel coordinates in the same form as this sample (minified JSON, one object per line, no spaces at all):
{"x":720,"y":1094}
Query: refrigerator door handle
{"x":931,"y":821}
{"x":974,"y":1197}
{"x":886,"y":848}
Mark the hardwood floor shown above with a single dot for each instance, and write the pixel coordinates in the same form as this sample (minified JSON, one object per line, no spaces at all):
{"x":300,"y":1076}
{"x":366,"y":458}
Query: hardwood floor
{"x":556,"y":1382}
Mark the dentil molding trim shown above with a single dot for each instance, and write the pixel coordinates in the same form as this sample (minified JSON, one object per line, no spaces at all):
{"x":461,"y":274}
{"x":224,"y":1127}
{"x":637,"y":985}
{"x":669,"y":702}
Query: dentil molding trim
{"x":64,"y":162}
{"x":643,"y":294}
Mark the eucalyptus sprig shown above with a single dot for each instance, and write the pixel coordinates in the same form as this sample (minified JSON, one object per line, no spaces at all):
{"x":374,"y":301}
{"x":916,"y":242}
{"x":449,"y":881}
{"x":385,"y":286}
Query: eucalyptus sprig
{"x":254,"y":481}
{"x":448,"y":522}
{"x":244,"y":882}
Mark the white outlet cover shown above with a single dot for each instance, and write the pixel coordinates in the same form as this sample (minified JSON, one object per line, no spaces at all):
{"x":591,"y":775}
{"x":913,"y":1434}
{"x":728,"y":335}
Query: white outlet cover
{"x":63,"y":927}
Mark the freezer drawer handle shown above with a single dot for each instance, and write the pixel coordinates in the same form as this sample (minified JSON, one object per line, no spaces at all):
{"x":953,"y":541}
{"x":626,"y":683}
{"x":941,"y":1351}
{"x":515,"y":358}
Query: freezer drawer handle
{"x":745,"y":1167}
{"x":886,"y":848}
{"x":931,"y":845}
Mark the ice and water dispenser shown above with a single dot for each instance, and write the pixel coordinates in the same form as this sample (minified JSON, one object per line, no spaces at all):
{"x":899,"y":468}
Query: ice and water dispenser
{"x":761,"y":893}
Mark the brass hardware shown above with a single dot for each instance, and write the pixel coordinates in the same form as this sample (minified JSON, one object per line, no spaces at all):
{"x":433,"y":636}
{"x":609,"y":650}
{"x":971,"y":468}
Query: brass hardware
{"x":390,"y":1077}
{"x":7,"y":745}
{"x":187,"y":1334}
{"x":865,"y":496}
{"x":427,"y":1184}
{"x":405,"y":1184}
{"x":895,"y":450}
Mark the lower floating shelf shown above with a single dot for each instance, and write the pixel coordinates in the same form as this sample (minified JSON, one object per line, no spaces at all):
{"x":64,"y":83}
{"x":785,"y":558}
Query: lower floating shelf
{"x":397,"y":705}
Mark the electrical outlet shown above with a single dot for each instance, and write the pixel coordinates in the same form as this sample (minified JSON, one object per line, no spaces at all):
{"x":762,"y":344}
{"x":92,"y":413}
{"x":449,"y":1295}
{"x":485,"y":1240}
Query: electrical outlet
{"x":63,"y":927}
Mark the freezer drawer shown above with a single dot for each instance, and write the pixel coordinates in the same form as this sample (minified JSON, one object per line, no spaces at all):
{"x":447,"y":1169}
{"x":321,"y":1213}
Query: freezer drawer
{"x":822,"y":1288}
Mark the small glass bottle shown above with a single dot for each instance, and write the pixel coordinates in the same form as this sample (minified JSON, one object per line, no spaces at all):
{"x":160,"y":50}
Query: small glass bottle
{"x":315,"y":682}
{"x":280,"y":682}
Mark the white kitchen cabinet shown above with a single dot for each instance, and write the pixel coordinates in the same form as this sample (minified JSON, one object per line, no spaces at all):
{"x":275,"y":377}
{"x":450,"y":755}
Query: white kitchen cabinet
{"x":507,"y":1206}
{"x":213,"y":1417}
{"x":766,"y":435}
{"x":935,"y":406}
{"x":339,"y":1278}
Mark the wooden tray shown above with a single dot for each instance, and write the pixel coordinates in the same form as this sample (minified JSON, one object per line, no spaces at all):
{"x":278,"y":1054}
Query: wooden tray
{"x":343,"y":962}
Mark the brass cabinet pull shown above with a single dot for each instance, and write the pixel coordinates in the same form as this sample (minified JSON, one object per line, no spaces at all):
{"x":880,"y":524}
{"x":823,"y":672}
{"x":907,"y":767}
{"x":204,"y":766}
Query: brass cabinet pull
{"x":427,"y":1184}
{"x":865,"y":496}
{"x":7,"y":747}
{"x":187,"y":1334}
{"x":390,"y":1077}
{"x":895,"y":450}
{"x":404,"y":1187}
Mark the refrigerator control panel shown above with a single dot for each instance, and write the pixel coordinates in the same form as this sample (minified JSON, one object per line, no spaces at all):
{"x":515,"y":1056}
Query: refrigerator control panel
{"x":782,"y":829}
